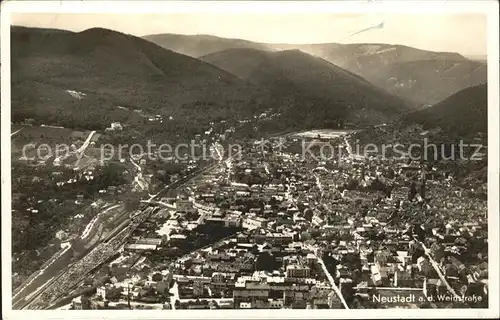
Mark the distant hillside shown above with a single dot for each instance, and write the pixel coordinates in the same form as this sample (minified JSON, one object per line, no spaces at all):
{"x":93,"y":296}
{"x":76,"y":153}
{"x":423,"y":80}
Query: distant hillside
{"x":92,"y":78}
{"x":459,"y":119}
{"x":359,"y":56}
{"x":419,"y":75}
{"x":200,"y":45}
{"x":463,"y":113}
{"x":429,"y":81}
{"x":478,"y":57}
{"x":319,"y":87}
{"x":422,"y":76}
{"x":112,"y":69}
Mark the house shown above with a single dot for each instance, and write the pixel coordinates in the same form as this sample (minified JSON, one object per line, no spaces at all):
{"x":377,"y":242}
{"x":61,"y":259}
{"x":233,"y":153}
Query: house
{"x":297,"y":271}
{"x":246,"y":289}
{"x":434,"y":286}
{"x":242,"y":194}
{"x":116,"y":126}
{"x":140,"y":247}
{"x":279,"y":238}
{"x":254,"y":223}
{"x":177,"y":239}
{"x":232,"y":221}
{"x":379,"y":276}
{"x":153,"y":241}
{"x":81,"y":303}
{"x":218,"y":277}
{"x":403,"y":279}
{"x":240,"y":186}
{"x":198,"y":288}
{"x":183,"y":263}
{"x":185,"y":206}
{"x":208,"y":197}
{"x":241,"y":238}
{"x":107,"y":292}
{"x":56,"y":174}
{"x":61,"y":235}
{"x":311,"y":258}
{"x":214,"y":221}
{"x":403,"y":257}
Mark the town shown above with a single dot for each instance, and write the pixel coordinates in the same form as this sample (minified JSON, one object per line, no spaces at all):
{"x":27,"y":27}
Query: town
{"x":170,"y":162}
{"x":270,"y":229}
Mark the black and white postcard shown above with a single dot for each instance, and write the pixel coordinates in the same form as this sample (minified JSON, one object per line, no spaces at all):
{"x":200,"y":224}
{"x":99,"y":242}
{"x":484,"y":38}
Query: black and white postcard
{"x":247,"y":160}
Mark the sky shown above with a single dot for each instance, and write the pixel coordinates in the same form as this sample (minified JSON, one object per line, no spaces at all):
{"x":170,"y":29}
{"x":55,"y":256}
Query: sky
{"x":459,"y":32}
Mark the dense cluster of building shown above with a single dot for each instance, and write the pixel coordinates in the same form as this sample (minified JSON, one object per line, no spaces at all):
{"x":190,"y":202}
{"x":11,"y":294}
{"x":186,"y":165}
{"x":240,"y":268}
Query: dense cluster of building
{"x":308,"y":233}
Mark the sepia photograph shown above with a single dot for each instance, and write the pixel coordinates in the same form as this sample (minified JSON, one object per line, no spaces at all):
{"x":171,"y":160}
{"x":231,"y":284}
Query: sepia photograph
{"x":243,"y":159}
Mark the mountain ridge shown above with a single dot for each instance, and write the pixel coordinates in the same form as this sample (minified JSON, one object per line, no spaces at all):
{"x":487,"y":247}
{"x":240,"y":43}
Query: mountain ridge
{"x":376,"y":62}
{"x":113,"y":69}
{"x":117,"y":69}
{"x":463,"y":113}
{"x":329,"y":89}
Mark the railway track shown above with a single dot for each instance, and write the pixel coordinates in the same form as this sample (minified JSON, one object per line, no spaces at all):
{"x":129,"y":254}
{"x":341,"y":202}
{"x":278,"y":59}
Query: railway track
{"x":65,"y":280}
{"x":77,"y":271}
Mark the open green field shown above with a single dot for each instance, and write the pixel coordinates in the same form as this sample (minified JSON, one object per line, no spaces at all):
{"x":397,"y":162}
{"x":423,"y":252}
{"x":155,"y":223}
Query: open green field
{"x":323,"y":133}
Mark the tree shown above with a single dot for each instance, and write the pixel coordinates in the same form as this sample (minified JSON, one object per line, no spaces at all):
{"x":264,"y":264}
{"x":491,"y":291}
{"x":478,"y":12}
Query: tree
{"x":132,"y":202}
{"x":157,"y":277}
{"x":308,"y":214}
{"x":352,"y":260}
{"x":113,"y":294}
{"x":315,"y":233}
{"x":266,"y":262}
{"x":352,"y":184}
{"x":304,"y":236}
{"x":330,"y":263}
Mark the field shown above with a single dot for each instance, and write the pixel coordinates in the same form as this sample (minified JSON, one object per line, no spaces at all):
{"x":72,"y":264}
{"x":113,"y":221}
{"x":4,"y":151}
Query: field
{"x":37,"y":135}
{"x":49,"y":132}
{"x":41,"y":132}
{"x":322,"y":133}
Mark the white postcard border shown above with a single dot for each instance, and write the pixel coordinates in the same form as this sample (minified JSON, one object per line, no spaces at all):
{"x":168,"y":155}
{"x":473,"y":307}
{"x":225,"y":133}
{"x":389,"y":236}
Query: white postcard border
{"x":490,"y":8}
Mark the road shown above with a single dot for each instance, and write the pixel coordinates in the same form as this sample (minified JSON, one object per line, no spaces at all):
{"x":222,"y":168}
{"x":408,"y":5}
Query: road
{"x":202,"y":217}
{"x":319,"y":184}
{"x":349,"y":151}
{"x":332,"y":282}
{"x":139,"y":178}
{"x":194,"y":175}
{"x":167,"y":205}
{"x":175,"y":294}
{"x":85,"y":143}
{"x":84,"y":146}
{"x":16,"y":132}
{"x":438,"y":271}
{"x":349,"y":148}
{"x":175,"y":185}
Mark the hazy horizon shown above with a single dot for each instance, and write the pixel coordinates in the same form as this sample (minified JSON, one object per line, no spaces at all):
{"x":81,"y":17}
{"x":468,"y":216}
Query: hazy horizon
{"x":461,"y":33}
